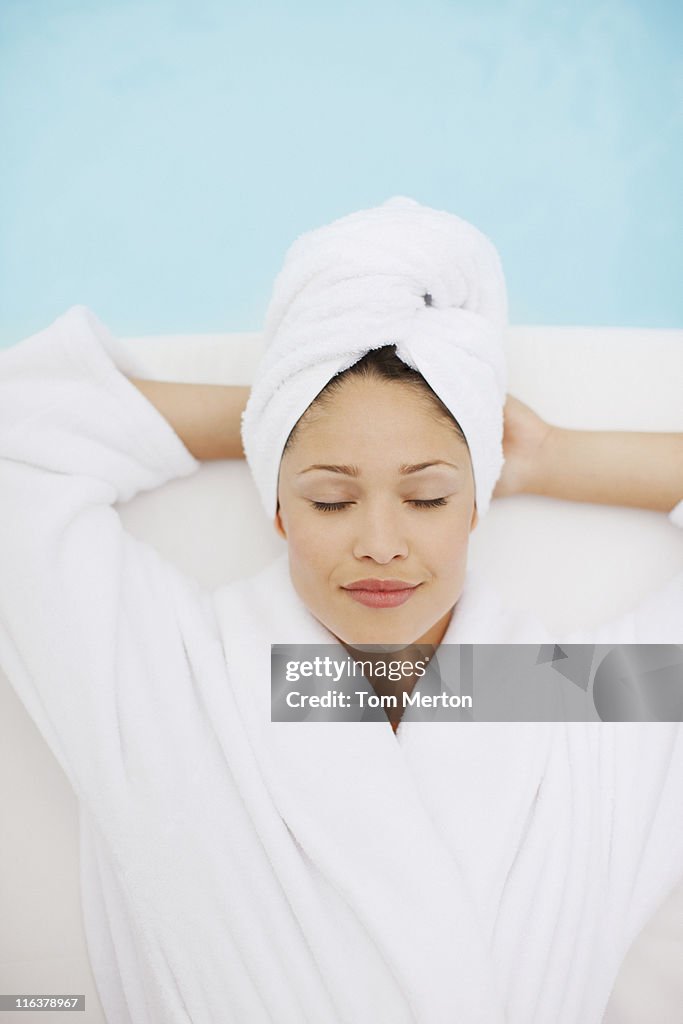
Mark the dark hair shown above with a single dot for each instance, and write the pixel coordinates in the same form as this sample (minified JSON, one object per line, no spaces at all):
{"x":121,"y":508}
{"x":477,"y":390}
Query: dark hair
{"x":382,"y":364}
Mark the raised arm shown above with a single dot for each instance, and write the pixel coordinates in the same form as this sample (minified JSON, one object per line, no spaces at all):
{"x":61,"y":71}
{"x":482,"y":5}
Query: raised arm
{"x":206,"y":417}
{"x":643,"y":762}
{"x":98,"y":633}
{"x":642,"y":470}
{"x":608,"y":467}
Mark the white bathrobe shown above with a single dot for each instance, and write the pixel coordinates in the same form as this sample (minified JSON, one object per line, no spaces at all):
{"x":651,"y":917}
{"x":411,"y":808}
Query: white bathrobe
{"x":239,"y":870}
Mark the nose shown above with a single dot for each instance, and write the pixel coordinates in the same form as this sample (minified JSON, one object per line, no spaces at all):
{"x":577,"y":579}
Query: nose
{"x":380,"y":535}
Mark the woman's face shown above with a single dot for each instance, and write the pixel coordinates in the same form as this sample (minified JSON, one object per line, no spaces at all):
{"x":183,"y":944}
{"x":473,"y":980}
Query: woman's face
{"x":350,"y":507}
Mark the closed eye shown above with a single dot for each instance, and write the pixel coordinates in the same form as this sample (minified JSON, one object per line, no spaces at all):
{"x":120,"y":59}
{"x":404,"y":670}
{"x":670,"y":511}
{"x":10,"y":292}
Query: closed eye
{"x":337,"y":506}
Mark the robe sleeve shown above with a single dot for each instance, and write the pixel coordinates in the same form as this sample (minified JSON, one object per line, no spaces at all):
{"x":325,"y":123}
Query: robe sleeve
{"x":646,"y":830}
{"x":644,"y":819}
{"x":647,"y":821}
{"x":94,"y":625}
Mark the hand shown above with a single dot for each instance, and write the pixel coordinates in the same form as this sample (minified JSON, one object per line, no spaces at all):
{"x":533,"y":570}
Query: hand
{"x":524,"y":436}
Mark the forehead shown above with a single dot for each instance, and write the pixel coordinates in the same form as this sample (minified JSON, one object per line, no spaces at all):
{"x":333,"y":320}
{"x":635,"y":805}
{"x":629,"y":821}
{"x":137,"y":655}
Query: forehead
{"x":375,"y":424}
{"x":368,"y":406}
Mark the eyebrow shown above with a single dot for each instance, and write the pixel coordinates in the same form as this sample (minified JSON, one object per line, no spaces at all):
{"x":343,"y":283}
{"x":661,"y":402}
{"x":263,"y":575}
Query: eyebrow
{"x":404,"y":470}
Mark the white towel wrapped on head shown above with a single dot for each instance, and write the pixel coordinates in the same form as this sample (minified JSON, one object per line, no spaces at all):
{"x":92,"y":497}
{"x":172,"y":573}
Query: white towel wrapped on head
{"x":400,"y":273}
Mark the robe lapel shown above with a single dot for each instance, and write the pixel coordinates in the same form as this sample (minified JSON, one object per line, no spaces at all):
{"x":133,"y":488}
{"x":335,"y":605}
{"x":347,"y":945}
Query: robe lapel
{"x":515,"y":806}
{"x":479,"y":780}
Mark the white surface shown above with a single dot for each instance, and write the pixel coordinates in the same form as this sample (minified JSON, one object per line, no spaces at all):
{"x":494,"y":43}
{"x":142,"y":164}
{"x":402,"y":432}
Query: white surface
{"x":604,"y":560}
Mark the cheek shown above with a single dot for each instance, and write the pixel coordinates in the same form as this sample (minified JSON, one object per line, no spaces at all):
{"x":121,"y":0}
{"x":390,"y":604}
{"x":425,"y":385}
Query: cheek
{"x":309,"y":547}
{"x":446,"y":547}
{"x":451,"y":531}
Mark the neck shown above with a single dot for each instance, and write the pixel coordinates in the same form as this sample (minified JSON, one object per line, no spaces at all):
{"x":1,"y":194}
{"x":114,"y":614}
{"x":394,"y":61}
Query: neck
{"x":392,"y":656}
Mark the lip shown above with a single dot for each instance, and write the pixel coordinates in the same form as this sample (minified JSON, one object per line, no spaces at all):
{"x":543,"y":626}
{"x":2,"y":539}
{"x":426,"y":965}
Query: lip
{"x":382,"y":585}
{"x":381,"y":593}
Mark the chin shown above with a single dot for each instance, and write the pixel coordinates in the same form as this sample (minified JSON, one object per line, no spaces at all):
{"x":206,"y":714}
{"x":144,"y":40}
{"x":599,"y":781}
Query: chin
{"x":376,"y":633}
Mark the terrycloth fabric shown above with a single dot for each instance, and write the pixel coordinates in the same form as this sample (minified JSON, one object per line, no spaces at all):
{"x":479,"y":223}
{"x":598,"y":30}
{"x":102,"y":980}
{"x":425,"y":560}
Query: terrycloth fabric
{"x":400,"y":273}
{"x":235,"y":869}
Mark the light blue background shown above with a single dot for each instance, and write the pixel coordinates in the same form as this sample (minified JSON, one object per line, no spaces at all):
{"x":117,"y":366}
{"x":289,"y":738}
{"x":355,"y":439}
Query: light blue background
{"x":159,"y":157}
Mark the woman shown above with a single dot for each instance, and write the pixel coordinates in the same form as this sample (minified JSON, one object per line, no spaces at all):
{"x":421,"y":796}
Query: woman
{"x":237,"y":869}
